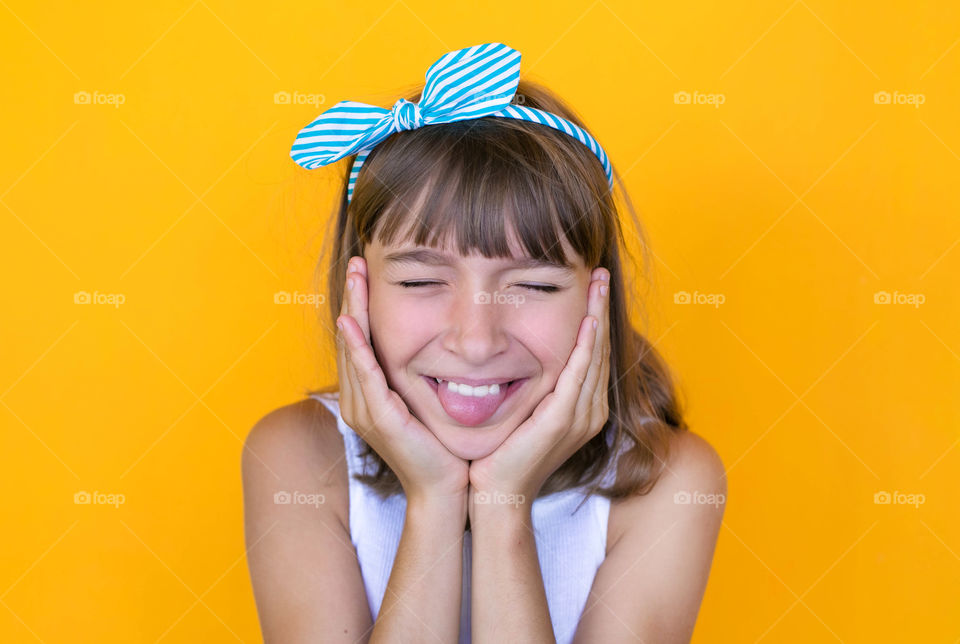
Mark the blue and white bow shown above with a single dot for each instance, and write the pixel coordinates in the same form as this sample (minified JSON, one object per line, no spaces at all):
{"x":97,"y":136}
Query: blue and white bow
{"x":464,"y":84}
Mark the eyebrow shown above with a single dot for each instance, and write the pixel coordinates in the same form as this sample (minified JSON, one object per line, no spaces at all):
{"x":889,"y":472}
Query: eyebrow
{"x":434,"y":258}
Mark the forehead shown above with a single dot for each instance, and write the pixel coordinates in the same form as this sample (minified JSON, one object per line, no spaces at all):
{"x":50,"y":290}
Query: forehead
{"x":408,"y":253}
{"x":485,"y":230}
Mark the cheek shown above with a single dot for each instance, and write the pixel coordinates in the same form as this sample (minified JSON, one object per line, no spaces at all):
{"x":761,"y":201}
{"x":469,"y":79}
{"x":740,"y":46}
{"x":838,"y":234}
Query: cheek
{"x":399,"y":327}
{"x":550,"y":333}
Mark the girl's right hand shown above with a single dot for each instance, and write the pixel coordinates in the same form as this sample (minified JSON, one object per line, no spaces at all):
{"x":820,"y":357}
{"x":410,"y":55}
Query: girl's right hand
{"x":425,"y":467}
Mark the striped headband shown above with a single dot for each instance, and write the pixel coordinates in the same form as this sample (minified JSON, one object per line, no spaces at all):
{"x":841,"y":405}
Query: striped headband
{"x":464,"y":84}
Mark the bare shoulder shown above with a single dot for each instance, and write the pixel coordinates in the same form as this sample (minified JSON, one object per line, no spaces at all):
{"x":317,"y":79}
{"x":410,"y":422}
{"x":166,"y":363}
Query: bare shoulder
{"x":693,"y":464}
{"x":298,"y":448}
{"x":303,"y":568}
{"x":657,"y":565}
{"x":693,"y":475}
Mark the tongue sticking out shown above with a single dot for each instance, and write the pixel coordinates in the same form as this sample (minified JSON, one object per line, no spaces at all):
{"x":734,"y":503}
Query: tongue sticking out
{"x":470,"y":410}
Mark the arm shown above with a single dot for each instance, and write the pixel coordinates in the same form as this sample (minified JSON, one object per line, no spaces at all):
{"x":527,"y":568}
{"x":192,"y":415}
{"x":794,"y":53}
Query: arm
{"x":507,"y":594}
{"x":651,"y":583}
{"x":422,"y":600}
{"x":304,"y":569}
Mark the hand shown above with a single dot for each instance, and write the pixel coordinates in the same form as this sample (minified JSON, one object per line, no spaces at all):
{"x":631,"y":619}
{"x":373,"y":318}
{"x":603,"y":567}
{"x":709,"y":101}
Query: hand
{"x":573,"y":413}
{"x":425,"y":467}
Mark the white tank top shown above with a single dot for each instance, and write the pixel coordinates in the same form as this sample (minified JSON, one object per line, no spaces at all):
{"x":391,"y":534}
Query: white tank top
{"x":571,"y":542}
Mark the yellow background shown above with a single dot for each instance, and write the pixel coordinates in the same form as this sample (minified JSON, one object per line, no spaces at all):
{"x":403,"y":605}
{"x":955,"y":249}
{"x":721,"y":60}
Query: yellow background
{"x":797,"y":200}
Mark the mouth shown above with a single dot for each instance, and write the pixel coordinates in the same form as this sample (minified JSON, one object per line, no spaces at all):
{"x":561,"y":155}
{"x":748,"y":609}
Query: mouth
{"x":471,"y":410}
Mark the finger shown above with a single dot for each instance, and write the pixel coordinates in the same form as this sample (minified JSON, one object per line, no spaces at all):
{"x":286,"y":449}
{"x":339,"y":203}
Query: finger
{"x":349,"y":388}
{"x":601,"y":406}
{"x":358,"y":294}
{"x":600,"y":409}
{"x":574,"y":374}
{"x":355,"y":376}
{"x":346,"y":375}
{"x":372,"y":390}
{"x":343,"y":297}
{"x":605,"y":329}
{"x":603,"y":388}
{"x":596,"y":305}
{"x":604,"y":338}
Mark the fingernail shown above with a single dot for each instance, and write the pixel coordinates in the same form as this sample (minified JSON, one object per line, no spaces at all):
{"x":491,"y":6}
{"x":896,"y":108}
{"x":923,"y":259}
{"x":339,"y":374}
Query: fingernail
{"x":350,"y":284}
{"x":340,"y":325}
{"x":594,"y":324}
{"x":603,"y":290}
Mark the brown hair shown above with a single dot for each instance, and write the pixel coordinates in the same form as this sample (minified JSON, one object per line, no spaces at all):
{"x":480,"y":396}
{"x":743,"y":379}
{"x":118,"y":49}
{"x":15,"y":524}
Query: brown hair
{"x":476,"y":179}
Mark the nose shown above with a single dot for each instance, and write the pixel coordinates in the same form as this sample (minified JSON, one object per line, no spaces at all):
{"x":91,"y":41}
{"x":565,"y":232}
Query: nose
{"x":475,"y":326}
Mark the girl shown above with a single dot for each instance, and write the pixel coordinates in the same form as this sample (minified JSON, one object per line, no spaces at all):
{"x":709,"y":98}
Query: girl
{"x":504,"y":456}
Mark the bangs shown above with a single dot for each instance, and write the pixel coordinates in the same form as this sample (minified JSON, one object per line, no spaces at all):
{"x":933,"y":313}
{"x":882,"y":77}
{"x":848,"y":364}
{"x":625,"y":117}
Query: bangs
{"x":502,"y":187}
{"x":473,"y":188}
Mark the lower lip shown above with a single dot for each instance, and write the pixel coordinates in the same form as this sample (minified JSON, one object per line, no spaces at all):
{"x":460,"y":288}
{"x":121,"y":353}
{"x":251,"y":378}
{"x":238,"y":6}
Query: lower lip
{"x":472,"y":420}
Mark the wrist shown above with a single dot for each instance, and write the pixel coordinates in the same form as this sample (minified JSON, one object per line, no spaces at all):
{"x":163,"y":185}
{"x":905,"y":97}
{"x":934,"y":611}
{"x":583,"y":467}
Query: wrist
{"x":488,"y":506}
{"x":438,"y":507}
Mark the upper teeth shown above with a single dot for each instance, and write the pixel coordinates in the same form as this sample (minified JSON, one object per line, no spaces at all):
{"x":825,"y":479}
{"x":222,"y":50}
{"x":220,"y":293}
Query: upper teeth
{"x":467,"y":390}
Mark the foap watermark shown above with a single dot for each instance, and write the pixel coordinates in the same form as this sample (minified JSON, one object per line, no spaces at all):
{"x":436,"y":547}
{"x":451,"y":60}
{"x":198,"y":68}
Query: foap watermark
{"x":485,"y":297}
{"x":910,"y":299}
{"x":479,"y":97}
{"x":99,"y":498}
{"x":311,"y":299}
{"x":898,"y":498}
{"x":298,"y":98}
{"x":695,"y":497}
{"x":498,"y":498}
{"x":95,"y":97}
{"x":298,"y":498}
{"x":685,"y":297}
{"x":699,"y":98}
{"x":884,"y":97}
{"x":110,"y":299}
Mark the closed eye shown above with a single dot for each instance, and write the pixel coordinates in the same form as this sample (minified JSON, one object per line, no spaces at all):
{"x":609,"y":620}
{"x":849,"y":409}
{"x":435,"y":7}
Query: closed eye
{"x":543,"y":288}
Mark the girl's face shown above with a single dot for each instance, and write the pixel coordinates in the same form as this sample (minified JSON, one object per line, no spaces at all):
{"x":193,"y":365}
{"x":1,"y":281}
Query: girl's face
{"x":474,"y":319}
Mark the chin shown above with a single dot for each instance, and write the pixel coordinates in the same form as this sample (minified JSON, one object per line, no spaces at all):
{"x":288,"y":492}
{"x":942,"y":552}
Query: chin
{"x":468,"y":444}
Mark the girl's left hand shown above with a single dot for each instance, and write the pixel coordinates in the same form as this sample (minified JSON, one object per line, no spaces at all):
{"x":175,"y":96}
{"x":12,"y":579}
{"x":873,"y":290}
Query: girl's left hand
{"x":573,"y":413}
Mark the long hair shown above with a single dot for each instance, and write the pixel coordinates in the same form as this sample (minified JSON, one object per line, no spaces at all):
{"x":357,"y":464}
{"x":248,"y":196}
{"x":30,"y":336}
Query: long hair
{"x":474,"y":181}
